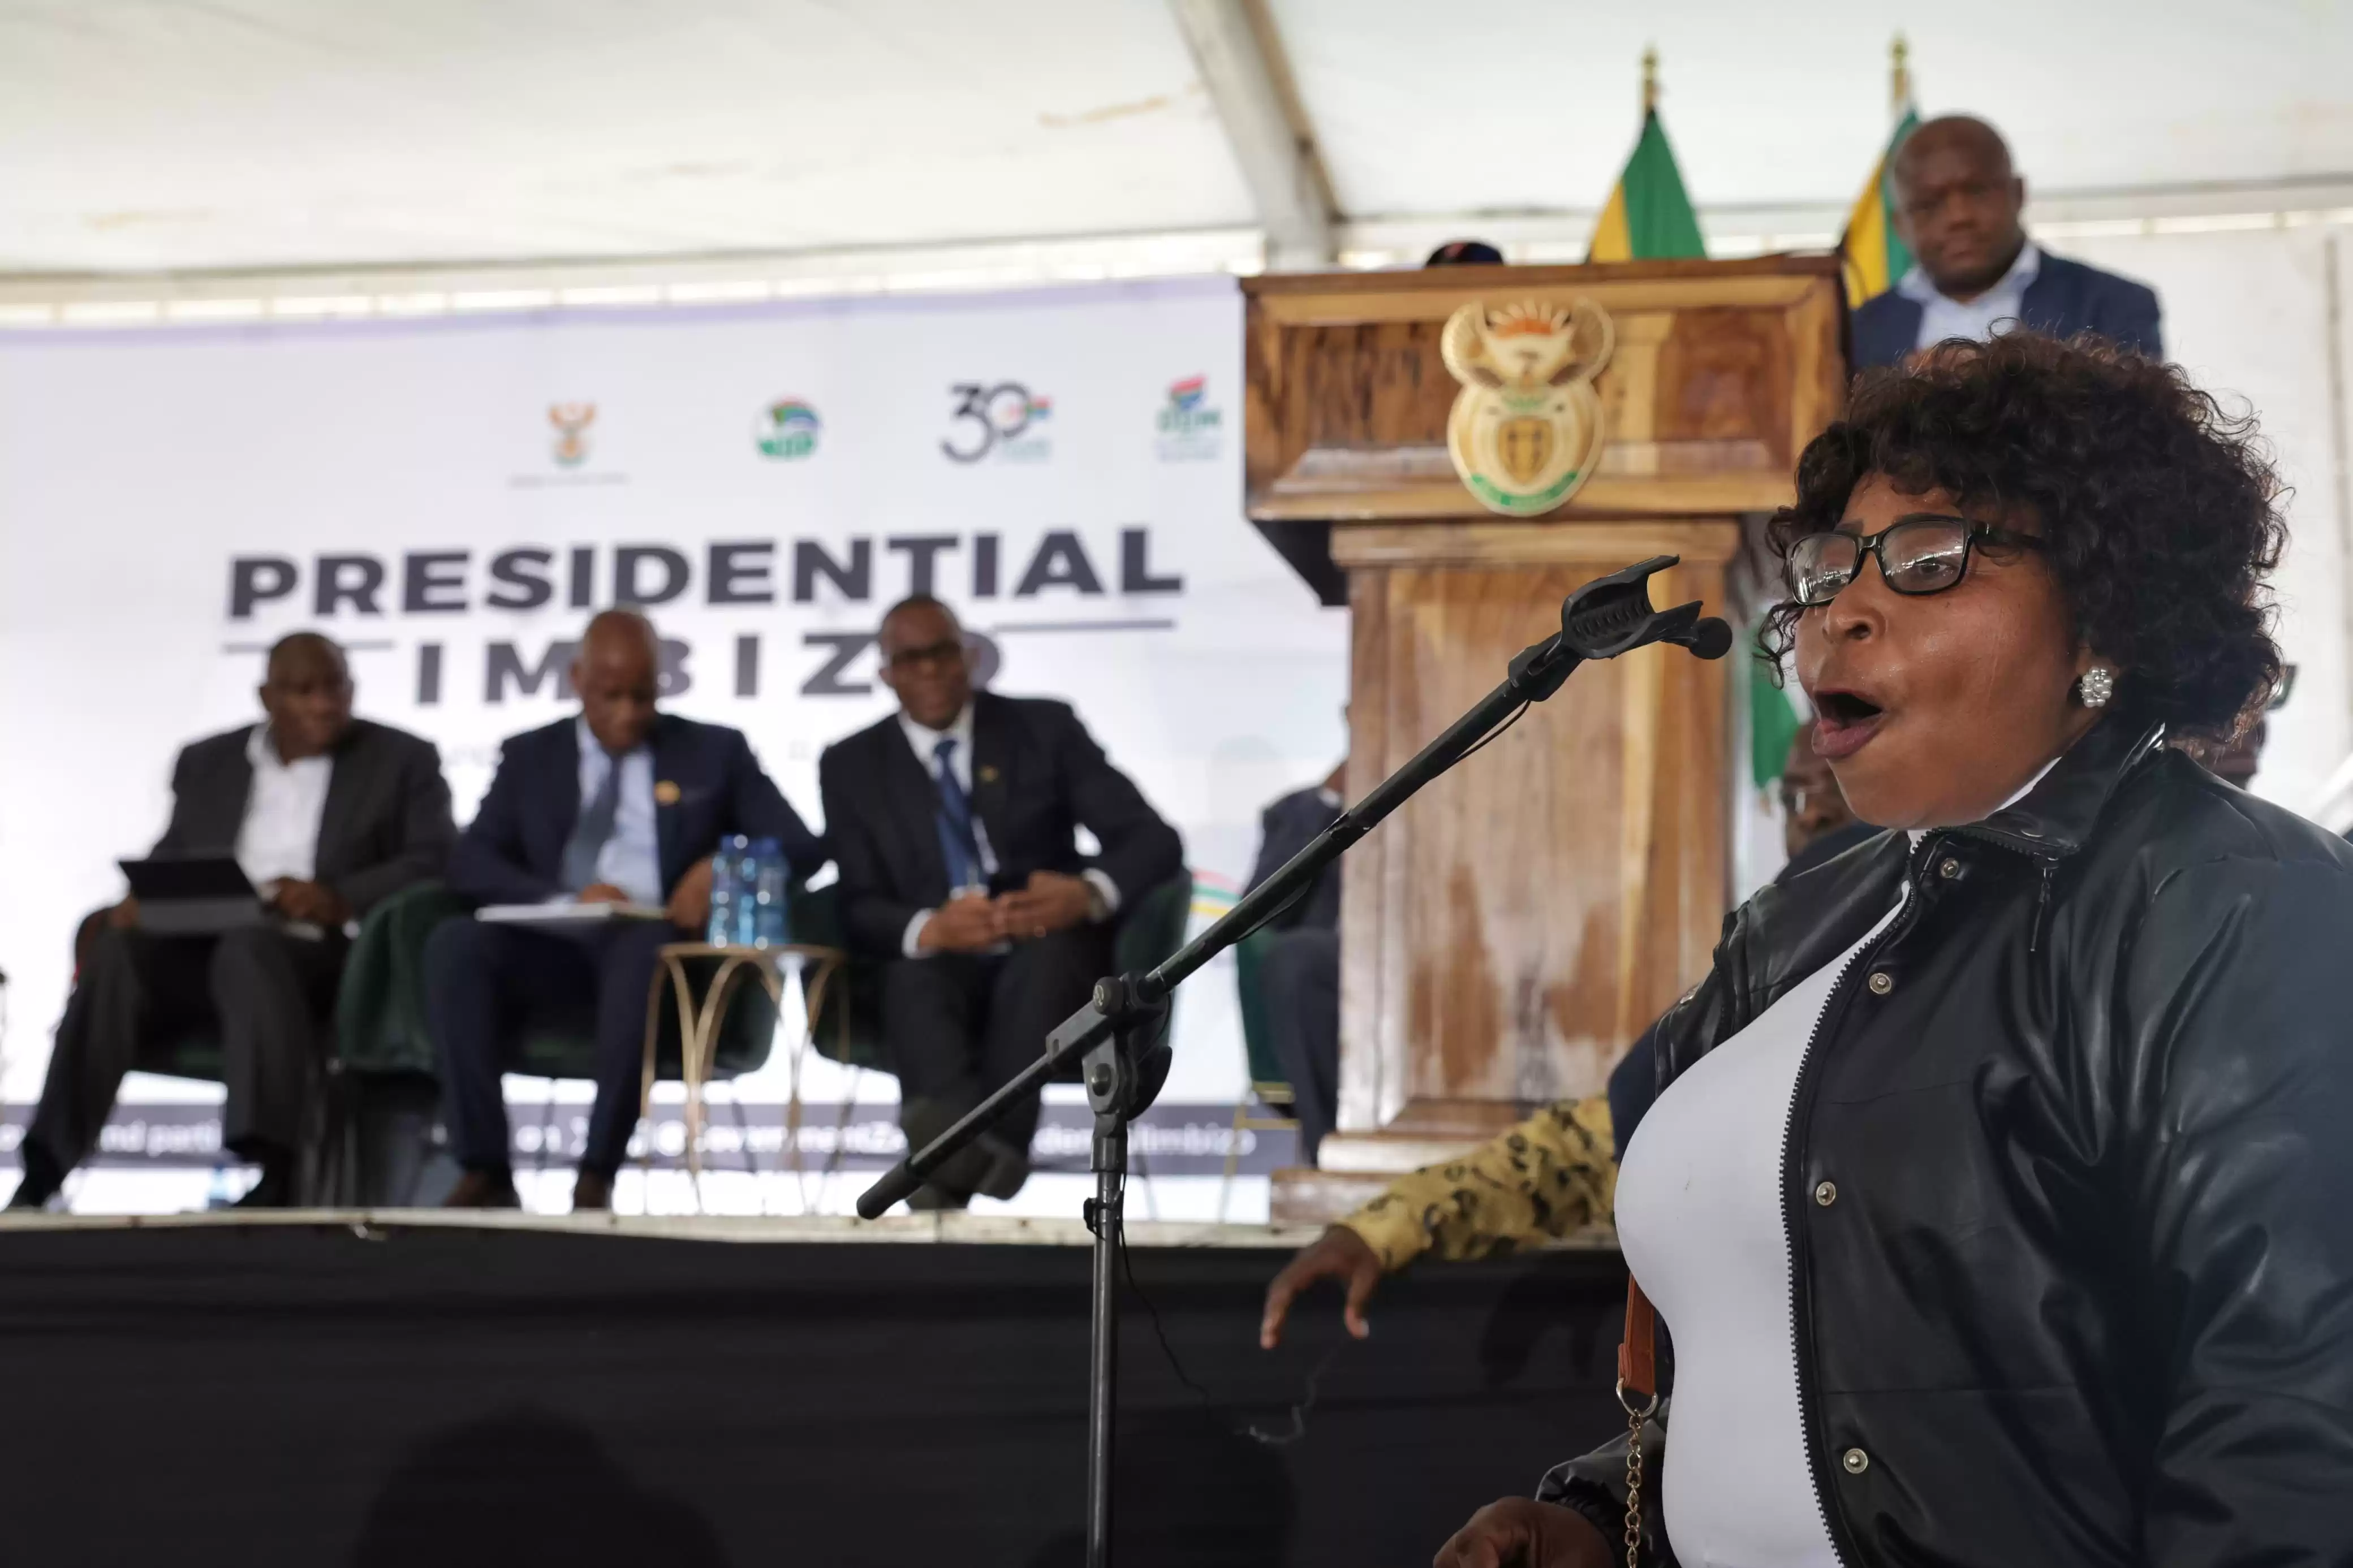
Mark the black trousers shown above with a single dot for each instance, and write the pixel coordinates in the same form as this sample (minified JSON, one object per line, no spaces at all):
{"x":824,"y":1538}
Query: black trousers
{"x":487,"y":985}
{"x":957,"y":1025}
{"x":269,"y":995}
{"x":1299,"y":979}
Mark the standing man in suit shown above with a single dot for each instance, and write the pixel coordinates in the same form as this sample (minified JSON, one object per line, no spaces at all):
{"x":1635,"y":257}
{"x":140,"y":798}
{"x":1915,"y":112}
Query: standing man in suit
{"x":954,"y":821}
{"x":621,"y":804}
{"x":1958,"y":202}
{"x":327,"y":815}
{"x":1299,"y":971}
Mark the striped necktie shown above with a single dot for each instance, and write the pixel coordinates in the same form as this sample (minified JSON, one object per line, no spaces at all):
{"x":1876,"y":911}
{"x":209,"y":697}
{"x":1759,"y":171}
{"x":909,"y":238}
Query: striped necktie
{"x":958,"y":848}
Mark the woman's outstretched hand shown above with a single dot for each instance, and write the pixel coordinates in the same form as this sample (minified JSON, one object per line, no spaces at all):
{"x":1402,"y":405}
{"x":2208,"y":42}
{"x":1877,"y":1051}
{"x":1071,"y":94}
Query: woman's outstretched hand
{"x":1519,"y":1532}
{"x":1339,"y":1254}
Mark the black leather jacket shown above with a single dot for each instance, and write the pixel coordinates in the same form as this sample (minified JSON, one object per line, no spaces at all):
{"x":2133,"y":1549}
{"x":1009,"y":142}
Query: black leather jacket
{"x":2084,"y":1290}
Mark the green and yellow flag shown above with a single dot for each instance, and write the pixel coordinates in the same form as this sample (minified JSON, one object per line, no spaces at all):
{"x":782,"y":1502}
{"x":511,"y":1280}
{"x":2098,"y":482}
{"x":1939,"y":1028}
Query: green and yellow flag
{"x":1649,"y":217}
{"x":1872,"y":255}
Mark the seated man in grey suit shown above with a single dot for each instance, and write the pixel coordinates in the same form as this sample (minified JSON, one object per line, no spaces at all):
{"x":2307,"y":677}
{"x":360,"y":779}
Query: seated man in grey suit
{"x":327,"y":815}
{"x":1958,"y":206}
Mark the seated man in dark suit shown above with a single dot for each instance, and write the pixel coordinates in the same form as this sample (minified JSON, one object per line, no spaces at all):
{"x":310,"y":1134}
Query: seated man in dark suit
{"x":955,"y":823}
{"x":327,"y":815}
{"x":618,"y":804}
{"x":1958,"y":202}
{"x":1299,"y":975}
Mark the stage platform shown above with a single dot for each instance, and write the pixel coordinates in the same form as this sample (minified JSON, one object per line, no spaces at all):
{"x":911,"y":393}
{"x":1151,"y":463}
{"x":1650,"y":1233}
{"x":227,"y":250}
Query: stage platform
{"x":402,"y":1387}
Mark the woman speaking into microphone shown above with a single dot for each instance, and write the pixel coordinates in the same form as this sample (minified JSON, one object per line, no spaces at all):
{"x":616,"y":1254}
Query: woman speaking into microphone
{"x":2051,"y":1260}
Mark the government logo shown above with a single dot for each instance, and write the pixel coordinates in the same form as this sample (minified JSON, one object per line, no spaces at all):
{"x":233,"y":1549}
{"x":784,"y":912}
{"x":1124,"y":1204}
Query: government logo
{"x":1001,"y":421}
{"x":786,"y":429}
{"x":571,"y":421}
{"x":1189,"y":427}
{"x":1526,"y":426}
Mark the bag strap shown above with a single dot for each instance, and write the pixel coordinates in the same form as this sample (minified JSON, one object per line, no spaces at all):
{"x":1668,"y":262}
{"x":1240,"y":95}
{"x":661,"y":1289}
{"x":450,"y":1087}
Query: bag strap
{"x":1638,"y":1393}
{"x":1637,"y":1356}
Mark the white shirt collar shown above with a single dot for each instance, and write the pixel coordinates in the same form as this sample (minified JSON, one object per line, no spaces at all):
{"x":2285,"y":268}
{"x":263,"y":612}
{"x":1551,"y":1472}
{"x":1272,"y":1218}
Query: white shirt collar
{"x":1915,"y":284}
{"x":590,"y":746}
{"x":261,"y":752}
{"x":926,"y":740}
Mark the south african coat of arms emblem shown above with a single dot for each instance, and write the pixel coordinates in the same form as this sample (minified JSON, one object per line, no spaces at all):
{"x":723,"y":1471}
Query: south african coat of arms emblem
{"x":1526,"y":426}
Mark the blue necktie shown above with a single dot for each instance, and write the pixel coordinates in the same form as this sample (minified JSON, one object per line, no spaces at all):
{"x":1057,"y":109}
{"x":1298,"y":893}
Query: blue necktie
{"x":958,"y":848}
{"x":595,"y":828}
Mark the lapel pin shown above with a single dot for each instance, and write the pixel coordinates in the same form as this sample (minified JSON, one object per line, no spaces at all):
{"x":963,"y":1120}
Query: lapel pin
{"x":666,"y":792}
{"x":988,"y":774}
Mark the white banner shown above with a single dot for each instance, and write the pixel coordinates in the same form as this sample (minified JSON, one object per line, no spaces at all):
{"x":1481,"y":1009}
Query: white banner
{"x":451,"y":498}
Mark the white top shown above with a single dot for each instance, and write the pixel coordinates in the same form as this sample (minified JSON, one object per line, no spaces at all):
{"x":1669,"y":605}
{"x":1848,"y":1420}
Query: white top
{"x":631,"y":859}
{"x":1699,"y":1219}
{"x":2000,"y":305}
{"x":926,"y":742}
{"x":279,"y":839}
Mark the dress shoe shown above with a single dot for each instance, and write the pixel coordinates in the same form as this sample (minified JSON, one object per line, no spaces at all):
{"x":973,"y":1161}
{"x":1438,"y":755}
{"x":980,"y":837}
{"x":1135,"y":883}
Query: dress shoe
{"x":483,"y":1190}
{"x":1007,"y":1171}
{"x":29,"y":1197}
{"x":40,"y":1182}
{"x":591,"y":1193}
{"x":275,"y":1190}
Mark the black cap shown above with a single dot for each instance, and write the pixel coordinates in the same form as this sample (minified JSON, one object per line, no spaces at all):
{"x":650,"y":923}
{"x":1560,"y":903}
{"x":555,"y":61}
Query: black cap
{"x":1465,"y":253}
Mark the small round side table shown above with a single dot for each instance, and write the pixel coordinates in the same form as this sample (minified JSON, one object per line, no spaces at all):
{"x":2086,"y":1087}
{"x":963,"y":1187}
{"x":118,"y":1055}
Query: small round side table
{"x":698,"y":1027}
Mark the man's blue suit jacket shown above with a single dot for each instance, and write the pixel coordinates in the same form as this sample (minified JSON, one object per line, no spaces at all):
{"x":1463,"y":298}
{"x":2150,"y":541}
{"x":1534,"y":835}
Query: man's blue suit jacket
{"x":2065,"y":298}
{"x":707,"y":785}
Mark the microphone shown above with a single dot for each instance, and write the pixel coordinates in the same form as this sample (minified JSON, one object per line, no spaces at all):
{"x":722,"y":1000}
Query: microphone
{"x":1710,"y":638}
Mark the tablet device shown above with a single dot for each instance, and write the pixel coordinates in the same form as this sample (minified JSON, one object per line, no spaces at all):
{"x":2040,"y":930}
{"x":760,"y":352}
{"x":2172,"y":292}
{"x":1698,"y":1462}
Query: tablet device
{"x":200,"y":895}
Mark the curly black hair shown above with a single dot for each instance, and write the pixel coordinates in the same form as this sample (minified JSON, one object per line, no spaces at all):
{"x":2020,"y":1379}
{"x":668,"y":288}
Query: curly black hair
{"x":2161,"y":511}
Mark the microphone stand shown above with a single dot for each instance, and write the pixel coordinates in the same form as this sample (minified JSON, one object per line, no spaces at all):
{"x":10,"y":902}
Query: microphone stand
{"x":1117,"y":1032}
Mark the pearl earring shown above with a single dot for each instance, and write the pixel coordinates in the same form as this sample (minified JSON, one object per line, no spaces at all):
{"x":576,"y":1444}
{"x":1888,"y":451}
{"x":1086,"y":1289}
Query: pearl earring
{"x":2097,"y":685}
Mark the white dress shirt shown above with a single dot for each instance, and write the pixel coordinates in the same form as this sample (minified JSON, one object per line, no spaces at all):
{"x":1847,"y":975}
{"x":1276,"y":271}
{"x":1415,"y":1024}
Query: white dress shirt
{"x":926,"y":743}
{"x":279,"y":839}
{"x":1977,"y":318}
{"x":631,"y":859}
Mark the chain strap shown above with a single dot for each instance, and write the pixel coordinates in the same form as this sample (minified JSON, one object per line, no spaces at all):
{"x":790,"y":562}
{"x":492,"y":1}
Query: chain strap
{"x":1634,"y":1422}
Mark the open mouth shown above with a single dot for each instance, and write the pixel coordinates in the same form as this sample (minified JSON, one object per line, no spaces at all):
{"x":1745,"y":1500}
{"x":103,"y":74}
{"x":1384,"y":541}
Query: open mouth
{"x":1844,"y":723}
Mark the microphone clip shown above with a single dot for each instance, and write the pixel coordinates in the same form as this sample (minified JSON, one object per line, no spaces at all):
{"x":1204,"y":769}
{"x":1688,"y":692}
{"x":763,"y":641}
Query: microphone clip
{"x":1612,"y":615}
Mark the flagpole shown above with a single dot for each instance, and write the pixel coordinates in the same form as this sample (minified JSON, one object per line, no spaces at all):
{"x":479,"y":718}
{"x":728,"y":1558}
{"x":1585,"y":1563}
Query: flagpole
{"x":1899,"y":78}
{"x":1651,"y":81}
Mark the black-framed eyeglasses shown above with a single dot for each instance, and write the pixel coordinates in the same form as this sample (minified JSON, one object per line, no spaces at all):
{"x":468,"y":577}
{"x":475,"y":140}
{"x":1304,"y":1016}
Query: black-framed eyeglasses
{"x":938,"y":653}
{"x":1925,"y":552}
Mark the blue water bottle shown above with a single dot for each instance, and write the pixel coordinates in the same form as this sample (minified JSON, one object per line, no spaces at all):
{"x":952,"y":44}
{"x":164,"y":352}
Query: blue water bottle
{"x":772,"y":920}
{"x":726,"y":893}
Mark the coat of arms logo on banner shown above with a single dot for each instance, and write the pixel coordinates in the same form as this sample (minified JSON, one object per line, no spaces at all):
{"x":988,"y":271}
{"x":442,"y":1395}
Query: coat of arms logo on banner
{"x":572,"y":421}
{"x":1526,"y":426}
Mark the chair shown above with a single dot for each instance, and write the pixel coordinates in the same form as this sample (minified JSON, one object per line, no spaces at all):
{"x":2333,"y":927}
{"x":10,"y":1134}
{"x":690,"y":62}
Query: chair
{"x":848,"y":1024}
{"x":383,"y":1048}
{"x":1268,"y":1089}
{"x":199,"y":1054}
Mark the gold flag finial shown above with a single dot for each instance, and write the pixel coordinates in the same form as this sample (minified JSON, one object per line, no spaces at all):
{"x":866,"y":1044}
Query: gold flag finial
{"x":1899,"y":76}
{"x":1651,"y":79}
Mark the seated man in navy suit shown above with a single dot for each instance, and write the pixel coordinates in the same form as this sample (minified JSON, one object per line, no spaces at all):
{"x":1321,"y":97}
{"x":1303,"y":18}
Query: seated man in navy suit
{"x":620,"y":805}
{"x":1957,"y":207}
{"x":956,"y":823}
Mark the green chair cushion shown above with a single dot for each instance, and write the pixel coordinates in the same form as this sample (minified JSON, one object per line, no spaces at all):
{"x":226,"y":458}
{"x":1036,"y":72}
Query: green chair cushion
{"x":380,"y":1010}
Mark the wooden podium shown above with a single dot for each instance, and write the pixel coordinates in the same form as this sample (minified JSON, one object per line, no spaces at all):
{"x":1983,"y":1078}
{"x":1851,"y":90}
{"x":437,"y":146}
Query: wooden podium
{"x":1508,"y":932}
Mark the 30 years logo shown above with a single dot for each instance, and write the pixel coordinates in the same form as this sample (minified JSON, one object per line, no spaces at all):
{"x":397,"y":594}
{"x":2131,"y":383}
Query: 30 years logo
{"x":1001,"y":421}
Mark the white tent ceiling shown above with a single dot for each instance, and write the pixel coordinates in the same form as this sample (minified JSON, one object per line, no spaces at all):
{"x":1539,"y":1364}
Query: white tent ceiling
{"x":140,"y":135}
